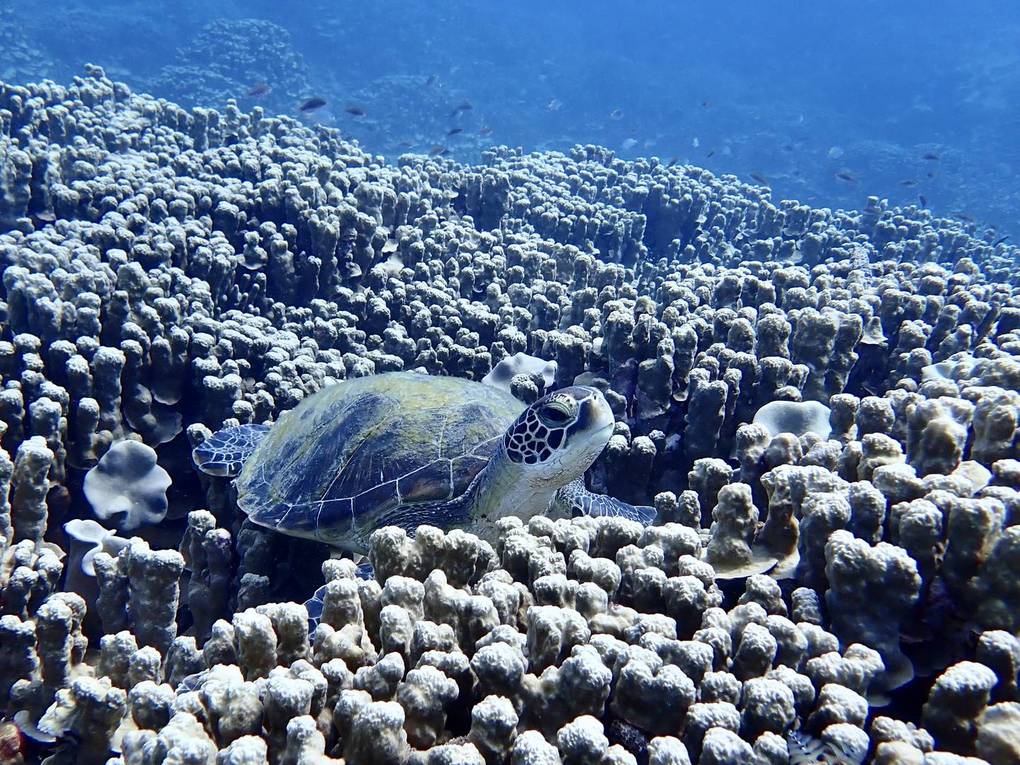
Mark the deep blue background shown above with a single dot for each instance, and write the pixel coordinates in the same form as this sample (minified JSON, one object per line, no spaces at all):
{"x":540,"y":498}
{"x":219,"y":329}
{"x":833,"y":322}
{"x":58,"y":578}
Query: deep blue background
{"x":795,"y":92}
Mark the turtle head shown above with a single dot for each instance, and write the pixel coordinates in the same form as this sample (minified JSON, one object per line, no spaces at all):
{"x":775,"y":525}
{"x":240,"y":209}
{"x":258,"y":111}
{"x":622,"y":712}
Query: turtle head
{"x":559,"y":436}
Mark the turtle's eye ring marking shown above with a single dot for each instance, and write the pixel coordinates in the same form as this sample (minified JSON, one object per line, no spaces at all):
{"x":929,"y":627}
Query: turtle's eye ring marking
{"x":555,"y":414}
{"x":544,"y":428}
{"x":539,"y":432}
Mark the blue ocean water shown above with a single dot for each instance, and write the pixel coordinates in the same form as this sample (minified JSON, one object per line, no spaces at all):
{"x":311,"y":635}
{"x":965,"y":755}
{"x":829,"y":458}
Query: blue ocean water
{"x":827,"y":102}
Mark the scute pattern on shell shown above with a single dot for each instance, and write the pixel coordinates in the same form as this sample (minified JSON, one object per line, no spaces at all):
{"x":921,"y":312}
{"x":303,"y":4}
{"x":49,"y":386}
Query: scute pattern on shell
{"x":336,"y":465}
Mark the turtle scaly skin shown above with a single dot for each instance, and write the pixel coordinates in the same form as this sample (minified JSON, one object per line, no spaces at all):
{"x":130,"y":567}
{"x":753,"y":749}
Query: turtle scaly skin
{"x":225,"y":452}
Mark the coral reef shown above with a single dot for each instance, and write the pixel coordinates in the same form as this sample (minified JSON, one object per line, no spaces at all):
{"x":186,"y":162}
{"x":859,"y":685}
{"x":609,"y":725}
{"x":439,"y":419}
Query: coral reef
{"x":22,"y":58}
{"x":228,"y":59}
{"x":846,"y":588}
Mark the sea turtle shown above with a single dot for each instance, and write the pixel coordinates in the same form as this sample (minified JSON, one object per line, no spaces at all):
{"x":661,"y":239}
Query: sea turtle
{"x":406,"y":449}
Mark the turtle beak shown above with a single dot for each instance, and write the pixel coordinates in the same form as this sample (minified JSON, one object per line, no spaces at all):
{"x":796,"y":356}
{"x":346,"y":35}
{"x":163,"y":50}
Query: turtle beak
{"x":597,"y":419}
{"x":605,"y":412}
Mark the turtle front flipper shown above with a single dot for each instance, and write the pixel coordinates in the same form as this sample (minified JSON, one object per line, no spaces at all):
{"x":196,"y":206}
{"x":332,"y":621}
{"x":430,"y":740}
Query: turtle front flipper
{"x":574,"y":500}
{"x":225,"y":451}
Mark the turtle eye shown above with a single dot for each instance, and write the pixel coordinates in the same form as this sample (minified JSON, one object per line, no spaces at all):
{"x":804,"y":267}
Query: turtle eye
{"x":554,"y":414}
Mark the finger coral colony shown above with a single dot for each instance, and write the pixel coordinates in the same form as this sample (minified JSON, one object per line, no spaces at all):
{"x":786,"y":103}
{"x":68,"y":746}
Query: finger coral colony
{"x":820,"y":405}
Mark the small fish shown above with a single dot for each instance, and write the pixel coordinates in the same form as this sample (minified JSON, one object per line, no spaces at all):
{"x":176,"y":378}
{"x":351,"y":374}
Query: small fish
{"x":355,"y":111}
{"x":930,"y":156}
{"x":554,"y":105}
{"x":454,"y":131}
{"x":405,"y":145}
{"x":432,"y":80}
{"x":672,"y":162}
{"x":909,"y":183}
{"x":787,"y":147}
{"x":705,"y":104}
{"x":312,"y":104}
{"x":923,"y":200}
{"x":835,"y":152}
{"x":711,"y":153}
{"x":1000,"y":240}
{"x":438,"y":151}
{"x":45,"y":216}
{"x":484,"y":130}
{"x":616,"y":114}
{"x":931,"y":174}
{"x":260,"y":89}
{"x":464,"y":106}
{"x":846,"y":175}
{"x":759,"y":178}
{"x":695,"y":142}
{"x":964,"y":217}
{"x":629,"y":143}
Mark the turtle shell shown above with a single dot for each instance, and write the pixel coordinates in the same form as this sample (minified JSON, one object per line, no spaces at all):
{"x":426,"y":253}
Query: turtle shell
{"x":374,"y":451}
